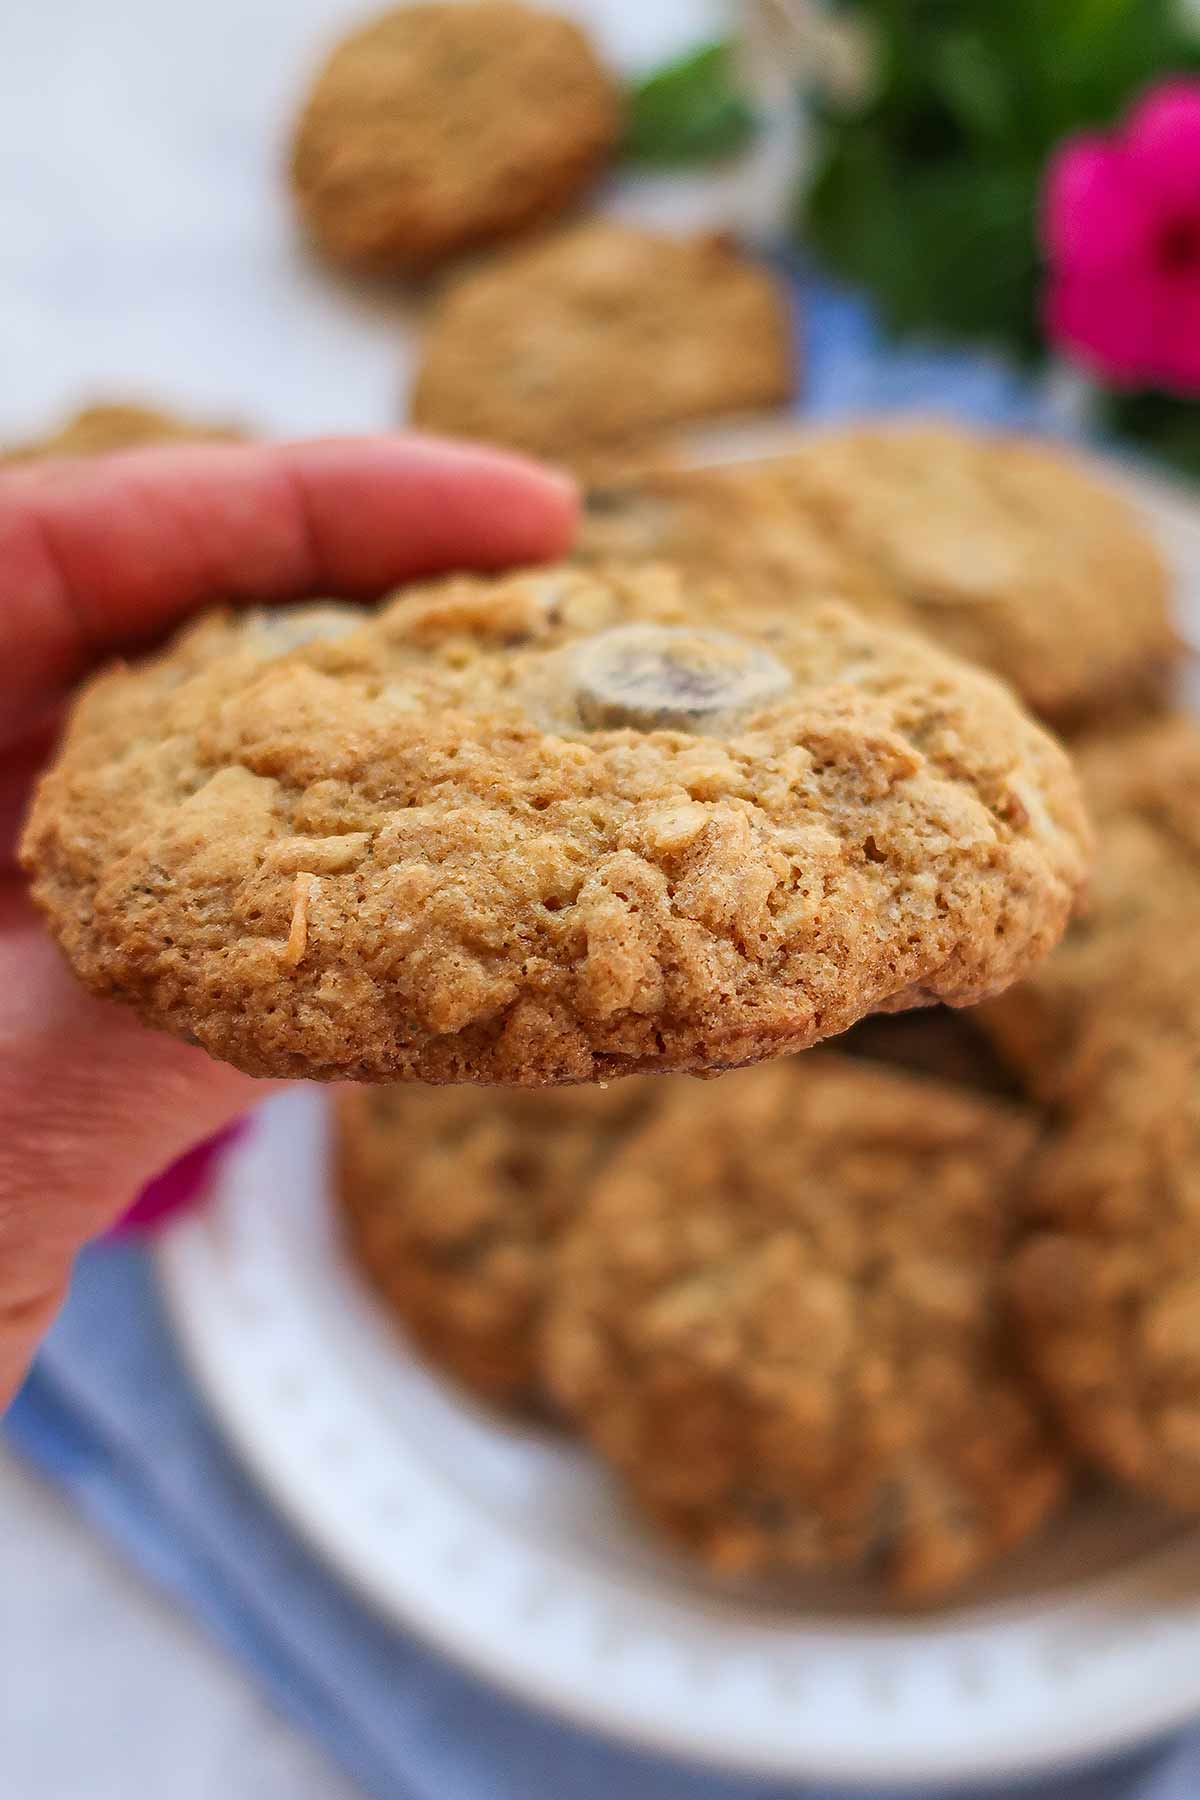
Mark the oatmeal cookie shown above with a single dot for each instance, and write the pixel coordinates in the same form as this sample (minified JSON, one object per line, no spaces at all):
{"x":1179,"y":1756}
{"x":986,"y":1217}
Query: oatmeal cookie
{"x":1000,"y":549}
{"x":1108,"y":1291}
{"x":117,"y":425}
{"x":779,"y":1316}
{"x":739,"y":520}
{"x":1143,"y":791}
{"x":451,"y":1201}
{"x":603,"y":336}
{"x":547,"y":827}
{"x":435,"y":129}
{"x":1006,"y":551}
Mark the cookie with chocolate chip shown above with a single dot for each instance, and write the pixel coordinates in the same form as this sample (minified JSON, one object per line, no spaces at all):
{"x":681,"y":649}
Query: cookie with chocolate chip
{"x":1008,"y":552}
{"x":548,"y":827}
{"x":780,"y":1315}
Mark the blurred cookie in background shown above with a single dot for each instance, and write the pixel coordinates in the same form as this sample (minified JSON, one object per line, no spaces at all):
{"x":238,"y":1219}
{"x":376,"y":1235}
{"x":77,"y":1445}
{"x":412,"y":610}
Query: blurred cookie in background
{"x":109,"y":425}
{"x":1008,"y":551}
{"x":780,"y":1316}
{"x":1108,"y":1292}
{"x":451,"y":1200}
{"x":599,"y":338}
{"x":737,"y":520}
{"x":436,"y":129}
{"x":1142,"y":787}
{"x":1003,"y":550}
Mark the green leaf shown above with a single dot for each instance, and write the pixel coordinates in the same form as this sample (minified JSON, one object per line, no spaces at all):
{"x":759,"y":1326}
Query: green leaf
{"x":947,"y":246}
{"x":692,"y":110}
{"x":1166,"y":425}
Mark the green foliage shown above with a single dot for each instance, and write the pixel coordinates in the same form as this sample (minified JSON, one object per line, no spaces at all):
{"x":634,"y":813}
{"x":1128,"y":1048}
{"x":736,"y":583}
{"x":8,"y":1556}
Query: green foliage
{"x":927,"y":192}
{"x":692,"y":110}
{"x":1166,"y":426}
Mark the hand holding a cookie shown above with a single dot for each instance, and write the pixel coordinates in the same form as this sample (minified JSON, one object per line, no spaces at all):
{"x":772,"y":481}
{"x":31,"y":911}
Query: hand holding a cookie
{"x":104,"y":556}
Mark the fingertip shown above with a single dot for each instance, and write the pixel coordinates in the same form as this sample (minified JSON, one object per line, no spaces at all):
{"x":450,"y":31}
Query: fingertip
{"x":534,"y":505}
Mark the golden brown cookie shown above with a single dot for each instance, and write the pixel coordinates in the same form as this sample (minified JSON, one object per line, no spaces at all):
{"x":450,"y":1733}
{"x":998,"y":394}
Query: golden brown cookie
{"x":116,"y":425}
{"x":451,"y":1201}
{"x":548,"y":827}
{"x":1006,"y":551}
{"x":1143,"y":791}
{"x":434,"y":129}
{"x":600,"y":337}
{"x":780,"y":1317}
{"x":1109,"y":1291}
{"x":742,"y":521}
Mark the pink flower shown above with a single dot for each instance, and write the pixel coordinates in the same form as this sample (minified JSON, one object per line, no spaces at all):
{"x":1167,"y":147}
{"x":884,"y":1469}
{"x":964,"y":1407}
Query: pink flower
{"x":180,"y":1186}
{"x":1121,"y":229}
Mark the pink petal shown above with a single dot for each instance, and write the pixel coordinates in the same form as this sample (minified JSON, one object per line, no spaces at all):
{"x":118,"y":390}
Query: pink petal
{"x":1107,"y":321}
{"x":179,"y":1186}
{"x":1092,"y":213}
{"x":1161,"y":144}
{"x":1177,"y":351}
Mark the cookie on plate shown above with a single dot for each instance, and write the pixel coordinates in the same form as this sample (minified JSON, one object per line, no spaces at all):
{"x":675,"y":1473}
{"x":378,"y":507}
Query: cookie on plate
{"x":1108,"y":1292}
{"x":738,"y":520}
{"x":117,"y":425}
{"x":434,"y":129}
{"x":1005,"y":550}
{"x":1143,"y":791}
{"x":451,"y":1201}
{"x":601,"y":337}
{"x":548,"y":827}
{"x":780,"y":1317}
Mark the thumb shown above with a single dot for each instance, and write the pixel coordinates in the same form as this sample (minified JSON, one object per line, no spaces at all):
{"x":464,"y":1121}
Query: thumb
{"x":91,"y":1106}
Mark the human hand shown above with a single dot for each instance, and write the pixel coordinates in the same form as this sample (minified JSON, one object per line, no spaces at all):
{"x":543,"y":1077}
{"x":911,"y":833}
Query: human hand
{"x":105,"y":556}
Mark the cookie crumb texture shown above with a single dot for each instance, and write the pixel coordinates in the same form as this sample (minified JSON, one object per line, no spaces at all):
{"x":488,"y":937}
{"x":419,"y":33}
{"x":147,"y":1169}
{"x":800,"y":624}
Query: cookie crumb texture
{"x":494,"y":891}
{"x":603,"y":335}
{"x":781,"y":1317}
{"x":451,"y":1201}
{"x":436,"y":129}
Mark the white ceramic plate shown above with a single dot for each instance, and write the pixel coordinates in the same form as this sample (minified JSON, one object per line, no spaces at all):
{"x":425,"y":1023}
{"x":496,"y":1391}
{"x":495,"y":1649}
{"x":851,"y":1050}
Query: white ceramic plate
{"x":511,"y":1551}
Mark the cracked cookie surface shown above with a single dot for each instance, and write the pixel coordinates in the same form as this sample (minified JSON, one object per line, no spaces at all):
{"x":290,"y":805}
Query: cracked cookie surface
{"x":780,"y":1316}
{"x":386,"y":845}
{"x":436,"y":129}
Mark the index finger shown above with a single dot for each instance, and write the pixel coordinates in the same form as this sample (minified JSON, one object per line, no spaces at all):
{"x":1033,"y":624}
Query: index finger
{"x":105,"y":555}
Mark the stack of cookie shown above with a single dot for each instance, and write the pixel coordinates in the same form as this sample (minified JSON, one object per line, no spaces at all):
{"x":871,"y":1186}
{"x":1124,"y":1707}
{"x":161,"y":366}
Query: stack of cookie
{"x":774,"y":752}
{"x":870,"y":1308}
